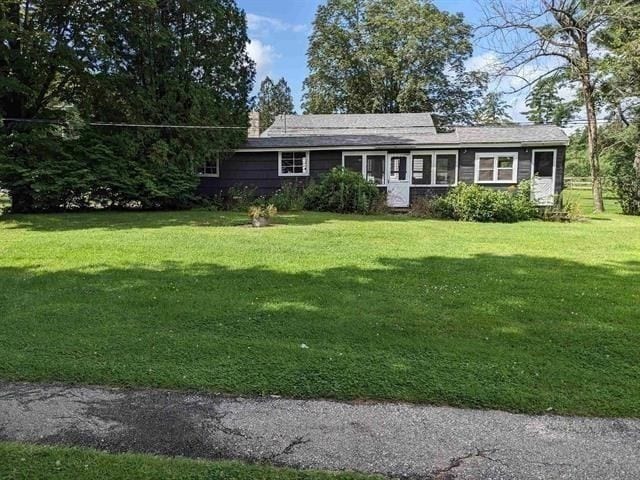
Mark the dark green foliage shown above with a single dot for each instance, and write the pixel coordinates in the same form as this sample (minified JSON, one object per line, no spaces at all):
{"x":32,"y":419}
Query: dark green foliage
{"x":241,"y":197}
{"x":389,"y":56}
{"x":625,"y":166}
{"x":546,"y":106}
{"x":343,"y":191}
{"x":431,"y":207}
{"x":474,"y":203}
{"x":289,"y":198}
{"x":273,"y":99}
{"x":144,"y":62}
{"x":493,"y":110}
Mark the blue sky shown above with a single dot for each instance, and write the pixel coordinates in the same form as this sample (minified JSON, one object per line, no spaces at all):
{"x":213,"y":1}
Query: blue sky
{"x":279,"y":31}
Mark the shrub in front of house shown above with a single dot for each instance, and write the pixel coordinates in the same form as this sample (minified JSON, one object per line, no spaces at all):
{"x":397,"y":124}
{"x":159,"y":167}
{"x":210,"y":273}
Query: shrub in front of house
{"x":343,"y":191}
{"x":475,"y":203}
{"x":289,"y":197}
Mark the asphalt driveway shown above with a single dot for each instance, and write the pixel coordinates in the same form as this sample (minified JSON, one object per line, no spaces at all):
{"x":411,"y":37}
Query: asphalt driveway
{"x":397,"y":440}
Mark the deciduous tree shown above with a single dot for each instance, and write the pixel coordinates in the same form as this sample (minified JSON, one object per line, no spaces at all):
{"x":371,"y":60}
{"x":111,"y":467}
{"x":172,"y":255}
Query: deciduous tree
{"x":385,"y":56}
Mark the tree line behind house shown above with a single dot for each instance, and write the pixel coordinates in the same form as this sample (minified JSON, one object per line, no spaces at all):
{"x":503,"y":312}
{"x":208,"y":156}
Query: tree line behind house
{"x":186,"y":63}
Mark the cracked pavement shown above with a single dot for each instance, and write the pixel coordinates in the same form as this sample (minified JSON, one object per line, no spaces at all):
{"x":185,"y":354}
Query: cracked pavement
{"x":397,"y":440}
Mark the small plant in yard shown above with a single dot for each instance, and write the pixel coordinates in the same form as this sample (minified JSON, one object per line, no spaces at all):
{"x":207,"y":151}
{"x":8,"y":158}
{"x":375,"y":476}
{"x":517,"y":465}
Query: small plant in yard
{"x":261,"y":215}
{"x":563,"y":210}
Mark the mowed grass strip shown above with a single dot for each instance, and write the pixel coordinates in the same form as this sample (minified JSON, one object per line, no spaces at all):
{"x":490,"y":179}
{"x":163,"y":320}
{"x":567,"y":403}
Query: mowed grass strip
{"x":32,"y":462}
{"x":530,"y":317}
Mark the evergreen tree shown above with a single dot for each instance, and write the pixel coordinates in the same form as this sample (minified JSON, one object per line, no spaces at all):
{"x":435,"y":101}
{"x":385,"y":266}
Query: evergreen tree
{"x":131,"y":61}
{"x":493,"y":110}
{"x":546,"y":106}
{"x":386,"y":56}
{"x":273,"y":100}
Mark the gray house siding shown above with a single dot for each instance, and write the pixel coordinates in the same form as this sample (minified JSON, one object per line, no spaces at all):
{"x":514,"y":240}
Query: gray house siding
{"x":260,"y":170}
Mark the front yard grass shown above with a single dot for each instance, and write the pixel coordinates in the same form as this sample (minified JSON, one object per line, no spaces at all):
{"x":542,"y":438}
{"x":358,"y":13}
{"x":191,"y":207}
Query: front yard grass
{"x":529,"y":317}
{"x":31,"y":462}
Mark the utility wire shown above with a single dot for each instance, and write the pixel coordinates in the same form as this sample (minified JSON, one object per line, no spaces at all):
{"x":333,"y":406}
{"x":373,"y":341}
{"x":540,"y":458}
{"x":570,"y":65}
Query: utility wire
{"x":125,"y":125}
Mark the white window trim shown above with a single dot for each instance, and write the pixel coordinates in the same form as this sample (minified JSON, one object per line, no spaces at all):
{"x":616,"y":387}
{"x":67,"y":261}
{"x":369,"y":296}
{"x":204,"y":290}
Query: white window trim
{"x":364,"y":154}
{"x":211,"y":175}
{"x":307,"y":163}
{"x":433,"y":154}
{"x":495,"y":155}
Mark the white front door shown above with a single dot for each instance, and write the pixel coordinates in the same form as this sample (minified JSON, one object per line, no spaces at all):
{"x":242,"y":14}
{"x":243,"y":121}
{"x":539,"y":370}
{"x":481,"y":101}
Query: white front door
{"x":398,"y":184}
{"x":543,"y":177}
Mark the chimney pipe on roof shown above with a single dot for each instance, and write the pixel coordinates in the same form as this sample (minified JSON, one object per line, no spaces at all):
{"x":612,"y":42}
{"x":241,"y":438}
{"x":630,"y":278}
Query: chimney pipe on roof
{"x":254,"y":125}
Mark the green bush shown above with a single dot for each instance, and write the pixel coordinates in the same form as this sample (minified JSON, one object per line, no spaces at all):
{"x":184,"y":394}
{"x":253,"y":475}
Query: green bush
{"x":431,"y":207}
{"x":626,"y":184}
{"x":343,"y":191}
{"x":474,"y":203}
{"x":241,"y":197}
{"x":289,"y":198}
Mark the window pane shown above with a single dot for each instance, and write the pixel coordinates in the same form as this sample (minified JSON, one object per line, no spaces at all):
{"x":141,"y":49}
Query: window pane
{"x":543,"y":164}
{"x":293,"y":163}
{"x":353,"y":162}
{"x":375,"y":168}
{"x":505,"y":174}
{"x":486,"y":163}
{"x":505,"y":162}
{"x":422,"y":170}
{"x":445,"y":169}
{"x":398,"y":168}
{"x":485,"y":175}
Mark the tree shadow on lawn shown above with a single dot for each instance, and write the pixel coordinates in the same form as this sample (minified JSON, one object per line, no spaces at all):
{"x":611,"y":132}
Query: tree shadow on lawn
{"x":124,"y":220}
{"x":520,"y":333}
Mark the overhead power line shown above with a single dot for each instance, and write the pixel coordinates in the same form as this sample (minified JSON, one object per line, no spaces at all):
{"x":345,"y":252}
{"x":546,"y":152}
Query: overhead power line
{"x":125,"y":125}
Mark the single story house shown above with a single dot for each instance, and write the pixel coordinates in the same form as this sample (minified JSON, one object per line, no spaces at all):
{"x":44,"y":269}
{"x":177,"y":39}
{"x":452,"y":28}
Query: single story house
{"x":403,"y":153}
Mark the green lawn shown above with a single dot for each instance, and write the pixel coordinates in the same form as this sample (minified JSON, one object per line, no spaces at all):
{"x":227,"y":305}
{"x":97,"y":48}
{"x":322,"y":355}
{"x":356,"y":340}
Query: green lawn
{"x":524,"y":317}
{"x":30,"y":462}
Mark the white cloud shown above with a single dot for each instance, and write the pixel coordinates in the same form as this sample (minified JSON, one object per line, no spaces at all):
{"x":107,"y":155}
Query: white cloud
{"x":264,"y":56}
{"x":487,"y":63}
{"x":260,"y":26}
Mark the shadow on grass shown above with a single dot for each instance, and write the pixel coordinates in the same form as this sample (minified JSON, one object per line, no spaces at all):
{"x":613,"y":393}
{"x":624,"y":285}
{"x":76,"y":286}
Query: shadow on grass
{"x":519,"y":333}
{"x":122,"y":220}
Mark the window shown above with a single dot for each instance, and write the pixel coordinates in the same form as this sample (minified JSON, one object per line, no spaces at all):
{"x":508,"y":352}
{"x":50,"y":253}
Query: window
{"x":353,"y":162}
{"x":293,"y":164}
{"x":543,"y":162}
{"x":209,"y":169}
{"x":496,"y":167}
{"x":375,"y":168}
{"x":445,"y":169}
{"x":398,"y":168}
{"x":421,"y":170}
{"x":434,"y":168}
{"x":372,"y":165}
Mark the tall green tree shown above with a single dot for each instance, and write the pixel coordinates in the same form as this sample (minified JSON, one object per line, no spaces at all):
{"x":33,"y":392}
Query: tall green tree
{"x":493,"y":110}
{"x":560,"y":35}
{"x":273,"y":99}
{"x":546,"y":106}
{"x":621,"y":92}
{"x":162,"y":62}
{"x":386,"y":56}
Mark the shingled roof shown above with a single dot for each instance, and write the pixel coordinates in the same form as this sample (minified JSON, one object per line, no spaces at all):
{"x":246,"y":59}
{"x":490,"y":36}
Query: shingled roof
{"x":393,"y":130}
{"x":351,"y":124}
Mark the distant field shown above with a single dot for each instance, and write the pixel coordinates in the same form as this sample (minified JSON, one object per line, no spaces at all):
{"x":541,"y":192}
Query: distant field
{"x":524,"y":317}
